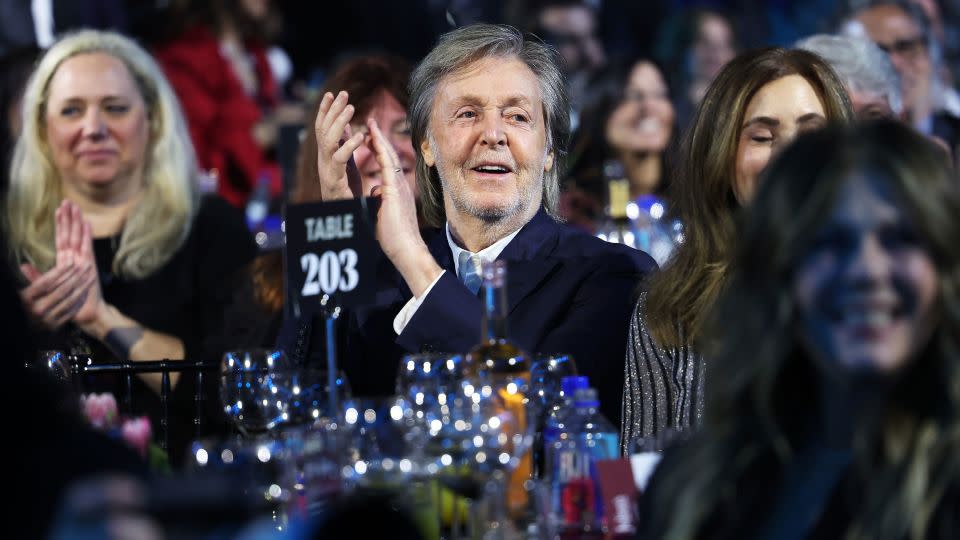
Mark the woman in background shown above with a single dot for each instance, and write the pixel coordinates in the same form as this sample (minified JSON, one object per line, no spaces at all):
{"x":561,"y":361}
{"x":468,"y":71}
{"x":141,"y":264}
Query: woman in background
{"x":758,"y":103}
{"x":696,"y":47}
{"x":123,"y":260}
{"x":630,"y":120}
{"x":834,"y":389}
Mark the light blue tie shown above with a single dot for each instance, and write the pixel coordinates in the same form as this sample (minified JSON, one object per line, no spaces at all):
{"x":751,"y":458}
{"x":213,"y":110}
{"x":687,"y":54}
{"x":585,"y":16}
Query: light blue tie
{"x":469,"y":270}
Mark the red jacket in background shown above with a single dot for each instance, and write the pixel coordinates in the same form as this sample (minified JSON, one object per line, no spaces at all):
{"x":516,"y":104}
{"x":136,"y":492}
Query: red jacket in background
{"x":220,"y":114}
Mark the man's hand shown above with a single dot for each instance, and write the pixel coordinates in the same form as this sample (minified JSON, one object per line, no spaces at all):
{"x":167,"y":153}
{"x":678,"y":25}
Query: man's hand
{"x":398,"y":231}
{"x":339,"y":178}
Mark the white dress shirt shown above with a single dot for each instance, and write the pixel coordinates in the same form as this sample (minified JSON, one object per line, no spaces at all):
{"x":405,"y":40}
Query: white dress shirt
{"x":487,"y":255}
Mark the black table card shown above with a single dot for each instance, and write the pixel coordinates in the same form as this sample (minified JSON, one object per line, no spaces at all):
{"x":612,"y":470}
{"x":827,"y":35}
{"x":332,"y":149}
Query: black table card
{"x":331,"y":250}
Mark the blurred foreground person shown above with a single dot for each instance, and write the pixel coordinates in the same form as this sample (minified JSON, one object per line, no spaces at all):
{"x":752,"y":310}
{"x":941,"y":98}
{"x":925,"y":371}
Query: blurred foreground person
{"x":834,"y":397}
{"x":757,"y":104}
{"x":122,"y":258}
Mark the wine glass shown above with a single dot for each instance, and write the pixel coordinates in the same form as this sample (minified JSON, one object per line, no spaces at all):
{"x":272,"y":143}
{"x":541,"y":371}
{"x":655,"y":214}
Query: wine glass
{"x":380,"y":443}
{"x":305,"y":391}
{"x":249,"y":392}
{"x":55,"y":363}
{"x":546,"y":373}
{"x":474,"y":438}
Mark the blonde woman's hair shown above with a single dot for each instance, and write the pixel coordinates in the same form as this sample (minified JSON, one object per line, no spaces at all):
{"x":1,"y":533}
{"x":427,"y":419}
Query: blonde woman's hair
{"x":158,"y":225}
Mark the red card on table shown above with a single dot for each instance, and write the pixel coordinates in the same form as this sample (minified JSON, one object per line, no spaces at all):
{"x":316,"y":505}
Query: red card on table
{"x":619,"y":497}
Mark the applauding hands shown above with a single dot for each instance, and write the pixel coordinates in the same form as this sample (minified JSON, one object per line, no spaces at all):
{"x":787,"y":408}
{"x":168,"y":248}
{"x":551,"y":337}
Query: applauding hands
{"x":70,"y":291}
{"x":398,"y":231}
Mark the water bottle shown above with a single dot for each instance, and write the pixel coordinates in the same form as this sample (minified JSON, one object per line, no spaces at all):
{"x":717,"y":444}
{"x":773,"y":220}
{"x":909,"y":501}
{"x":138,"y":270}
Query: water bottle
{"x":562,"y":408}
{"x":576,"y":504}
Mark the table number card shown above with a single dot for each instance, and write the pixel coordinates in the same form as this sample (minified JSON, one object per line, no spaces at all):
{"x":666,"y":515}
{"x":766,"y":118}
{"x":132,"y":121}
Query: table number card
{"x":331,"y":250}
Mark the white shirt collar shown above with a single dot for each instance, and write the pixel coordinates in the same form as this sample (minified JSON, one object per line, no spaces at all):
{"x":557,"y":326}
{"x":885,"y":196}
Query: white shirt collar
{"x":488,"y":254}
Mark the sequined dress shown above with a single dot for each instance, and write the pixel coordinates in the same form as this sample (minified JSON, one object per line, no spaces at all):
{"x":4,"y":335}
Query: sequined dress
{"x":663,"y":388}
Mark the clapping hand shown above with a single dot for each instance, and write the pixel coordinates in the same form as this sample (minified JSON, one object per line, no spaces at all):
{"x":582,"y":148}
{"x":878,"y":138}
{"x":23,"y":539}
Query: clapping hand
{"x":339,"y":177}
{"x":71,"y":288}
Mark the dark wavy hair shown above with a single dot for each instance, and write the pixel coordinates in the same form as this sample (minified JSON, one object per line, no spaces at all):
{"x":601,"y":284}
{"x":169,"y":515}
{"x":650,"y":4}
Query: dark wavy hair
{"x":762,"y":384}
{"x":590,"y":148}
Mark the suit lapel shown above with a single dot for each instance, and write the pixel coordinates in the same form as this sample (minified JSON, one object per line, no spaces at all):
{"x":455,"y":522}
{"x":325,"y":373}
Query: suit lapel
{"x":529,"y":258}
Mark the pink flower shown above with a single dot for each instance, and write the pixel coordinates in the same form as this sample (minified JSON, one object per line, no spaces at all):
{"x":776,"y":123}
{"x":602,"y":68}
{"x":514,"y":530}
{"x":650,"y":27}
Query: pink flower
{"x":137,"y":433}
{"x":100,"y":410}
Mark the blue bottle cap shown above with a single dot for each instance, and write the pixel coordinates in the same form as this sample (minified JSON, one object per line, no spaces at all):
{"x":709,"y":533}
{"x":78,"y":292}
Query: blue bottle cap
{"x":570,"y":385}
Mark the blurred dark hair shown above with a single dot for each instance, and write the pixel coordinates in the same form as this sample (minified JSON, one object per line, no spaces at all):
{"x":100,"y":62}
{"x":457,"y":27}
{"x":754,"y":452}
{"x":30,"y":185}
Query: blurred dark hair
{"x":589,"y":148}
{"x":759,"y":402}
{"x":15,"y":68}
{"x":678,"y":34}
{"x":363,"y":78}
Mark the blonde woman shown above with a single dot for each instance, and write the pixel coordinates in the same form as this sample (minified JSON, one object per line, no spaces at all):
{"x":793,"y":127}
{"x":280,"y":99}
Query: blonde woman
{"x":122,"y":258}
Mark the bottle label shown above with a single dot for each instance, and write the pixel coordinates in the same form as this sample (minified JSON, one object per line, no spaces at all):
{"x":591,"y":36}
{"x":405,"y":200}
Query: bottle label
{"x":576,"y":498}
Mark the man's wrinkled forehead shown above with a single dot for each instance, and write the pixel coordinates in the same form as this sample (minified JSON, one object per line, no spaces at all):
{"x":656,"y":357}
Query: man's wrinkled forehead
{"x":515,"y":93}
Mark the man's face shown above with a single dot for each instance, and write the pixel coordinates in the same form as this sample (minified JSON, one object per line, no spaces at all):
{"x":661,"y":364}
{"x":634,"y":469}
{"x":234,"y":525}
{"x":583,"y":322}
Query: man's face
{"x":487,"y":138}
{"x":573,"y":29}
{"x":897,"y":34}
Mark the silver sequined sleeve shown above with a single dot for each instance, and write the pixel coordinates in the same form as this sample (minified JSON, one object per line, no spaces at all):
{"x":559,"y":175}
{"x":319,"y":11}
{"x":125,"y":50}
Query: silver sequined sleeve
{"x":662,"y":388}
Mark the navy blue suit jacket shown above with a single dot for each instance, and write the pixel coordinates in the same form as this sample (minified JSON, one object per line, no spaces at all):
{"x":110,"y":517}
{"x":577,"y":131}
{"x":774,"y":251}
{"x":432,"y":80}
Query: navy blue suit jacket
{"x":568,"y":292}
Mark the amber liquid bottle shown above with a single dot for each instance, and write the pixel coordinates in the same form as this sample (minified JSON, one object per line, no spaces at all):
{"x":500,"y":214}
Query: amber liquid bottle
{"x":507,"y":369}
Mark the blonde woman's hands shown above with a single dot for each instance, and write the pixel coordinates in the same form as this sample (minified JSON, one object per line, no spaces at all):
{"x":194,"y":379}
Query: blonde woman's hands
{"x":56,"y":296}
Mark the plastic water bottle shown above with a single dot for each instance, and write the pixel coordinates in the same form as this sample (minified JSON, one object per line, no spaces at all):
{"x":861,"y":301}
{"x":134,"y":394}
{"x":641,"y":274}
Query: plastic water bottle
{"x":577,"y":509}
{"x":562,"y":408}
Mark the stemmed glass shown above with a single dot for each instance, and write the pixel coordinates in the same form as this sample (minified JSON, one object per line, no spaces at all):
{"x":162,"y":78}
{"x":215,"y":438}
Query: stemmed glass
{"x":249,"y":393}
{"x":474,"y":439}
{"x":261,"y":390}
{"x":546,"y":373}
{"x":54,"y":362}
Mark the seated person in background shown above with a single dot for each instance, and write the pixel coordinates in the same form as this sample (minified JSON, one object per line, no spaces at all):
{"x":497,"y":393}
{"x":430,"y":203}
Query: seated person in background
{"x":902,"y":30}
{"x":629,"y":119}
{"x":758,"y":103}
{"x":833,"y":405}
{"x":217,"y":61}
{"x":489,"y":121}
{"x":867,"y":73}
{"x":122,"y":258}
{"x":377,"y":85}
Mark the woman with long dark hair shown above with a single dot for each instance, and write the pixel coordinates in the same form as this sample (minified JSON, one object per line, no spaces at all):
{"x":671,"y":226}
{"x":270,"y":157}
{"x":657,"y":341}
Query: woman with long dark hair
{"x":834,"y":395}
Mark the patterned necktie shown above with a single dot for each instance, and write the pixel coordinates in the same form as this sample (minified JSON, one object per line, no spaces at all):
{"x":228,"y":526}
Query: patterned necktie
{"x":469,"y":270}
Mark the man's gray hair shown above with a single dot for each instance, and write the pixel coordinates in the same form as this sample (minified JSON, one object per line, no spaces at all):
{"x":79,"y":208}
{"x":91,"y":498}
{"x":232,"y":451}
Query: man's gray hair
{"x":456,"y":52}
{"x":860,"y":63}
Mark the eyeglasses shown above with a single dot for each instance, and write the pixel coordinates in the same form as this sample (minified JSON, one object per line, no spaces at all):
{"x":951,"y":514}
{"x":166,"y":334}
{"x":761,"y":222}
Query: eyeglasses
{"x":904,"y":47}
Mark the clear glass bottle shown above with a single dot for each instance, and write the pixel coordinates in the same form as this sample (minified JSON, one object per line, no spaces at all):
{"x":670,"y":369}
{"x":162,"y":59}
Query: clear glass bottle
{"x":617,"y":227}
{"x":499,"y":363}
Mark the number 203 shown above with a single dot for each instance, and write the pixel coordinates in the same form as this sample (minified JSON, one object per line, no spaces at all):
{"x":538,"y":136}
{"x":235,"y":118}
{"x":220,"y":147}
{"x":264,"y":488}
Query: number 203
{"x":329,"y":272}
